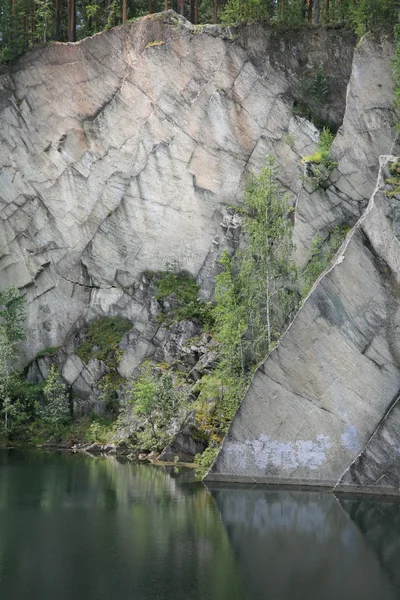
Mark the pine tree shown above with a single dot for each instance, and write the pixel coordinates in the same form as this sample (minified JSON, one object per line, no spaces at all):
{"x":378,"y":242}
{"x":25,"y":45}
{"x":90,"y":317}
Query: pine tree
{"x":56,"y":411}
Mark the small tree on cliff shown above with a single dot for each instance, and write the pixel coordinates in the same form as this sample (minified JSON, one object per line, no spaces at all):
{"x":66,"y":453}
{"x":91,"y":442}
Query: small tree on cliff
{"x":255,"y":293}
{"x":255,"y":296}
{"x":12,"y":317}
{"x":266,"y":271}
{"x":55,"y":412}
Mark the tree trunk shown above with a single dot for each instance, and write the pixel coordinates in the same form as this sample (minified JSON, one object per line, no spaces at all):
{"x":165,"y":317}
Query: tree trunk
{"x":150,"y":7}
{"x":14,"y":20}
{"x":196,"y":12}
{"x":327,"y":7}
{"x":57,"y":33}
{"x":180,"y":7}
{"x":309,"y":10}
{"x":33,"y":18}
{"x":215,"y":20}
{"x":25,"y":30}
{"x":71,"y":21}
{"x":166,"y":5}
{"x":124,"y":11}
{"x":316,"y":12}
{"x":192,"y":11}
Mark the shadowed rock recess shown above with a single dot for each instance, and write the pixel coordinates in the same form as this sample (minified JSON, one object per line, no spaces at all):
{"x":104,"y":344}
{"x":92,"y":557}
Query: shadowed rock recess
{"x":323,"y":408}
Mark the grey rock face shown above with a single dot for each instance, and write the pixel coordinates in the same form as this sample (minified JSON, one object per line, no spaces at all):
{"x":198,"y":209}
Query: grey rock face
{"x":324,"y":398}
{"x":117,"y":156}
{"x":367,"y":132}
{"x":377,"y":467}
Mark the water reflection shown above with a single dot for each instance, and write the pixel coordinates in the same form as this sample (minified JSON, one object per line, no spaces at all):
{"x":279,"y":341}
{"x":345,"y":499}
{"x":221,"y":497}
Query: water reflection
{"x":379,"y":521}
{"x":302,"y":545}
{"x":73,"y":527}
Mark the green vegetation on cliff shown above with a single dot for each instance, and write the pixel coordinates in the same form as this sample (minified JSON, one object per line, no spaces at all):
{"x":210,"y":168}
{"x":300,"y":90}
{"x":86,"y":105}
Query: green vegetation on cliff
{"x":256,"y":295}
{"x":102,"y":339}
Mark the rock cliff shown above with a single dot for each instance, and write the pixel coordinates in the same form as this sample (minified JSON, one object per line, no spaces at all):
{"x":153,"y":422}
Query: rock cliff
{"x":122,"y":154}
{"x":323,"y":408}
{"x":119,"y":154}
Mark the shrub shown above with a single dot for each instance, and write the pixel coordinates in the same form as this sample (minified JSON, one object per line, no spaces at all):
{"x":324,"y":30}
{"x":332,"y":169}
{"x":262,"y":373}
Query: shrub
{"x":203,"y":461}
{"x":321,"y":163}
{"x":154,"y":400}
{"x":394,"y":180}
{"x":102,"y":339}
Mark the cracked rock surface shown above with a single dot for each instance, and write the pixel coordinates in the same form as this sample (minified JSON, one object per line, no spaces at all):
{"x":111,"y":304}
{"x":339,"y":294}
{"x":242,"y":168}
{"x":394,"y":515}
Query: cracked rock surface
{"x":322,"y":409}
{"x":367,"y":132}
{"x":117,"y":156}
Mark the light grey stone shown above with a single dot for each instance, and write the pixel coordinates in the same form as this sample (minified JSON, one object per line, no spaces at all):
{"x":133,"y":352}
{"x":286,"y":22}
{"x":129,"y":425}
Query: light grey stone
{"x":116,"y":158}
{"x":72,"y":368}
{"x":366,"y":133}
{"x":318,"y":400}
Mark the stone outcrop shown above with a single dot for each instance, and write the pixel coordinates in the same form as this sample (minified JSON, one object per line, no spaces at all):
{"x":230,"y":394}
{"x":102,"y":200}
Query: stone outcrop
{"x":119,"y":154}
{"x":323,"y":408}
{"x":367,"y":132}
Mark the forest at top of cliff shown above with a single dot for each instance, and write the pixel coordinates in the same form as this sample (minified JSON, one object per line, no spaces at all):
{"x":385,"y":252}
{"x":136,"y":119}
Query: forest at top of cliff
{"x":28,"y":23}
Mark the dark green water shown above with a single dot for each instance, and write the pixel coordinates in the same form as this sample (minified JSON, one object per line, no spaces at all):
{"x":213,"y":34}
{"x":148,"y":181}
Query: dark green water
{"x":76,"y":528}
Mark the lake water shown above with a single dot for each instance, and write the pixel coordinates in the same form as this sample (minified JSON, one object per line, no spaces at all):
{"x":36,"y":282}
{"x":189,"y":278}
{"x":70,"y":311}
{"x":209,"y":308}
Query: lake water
{"x":80,"y":528}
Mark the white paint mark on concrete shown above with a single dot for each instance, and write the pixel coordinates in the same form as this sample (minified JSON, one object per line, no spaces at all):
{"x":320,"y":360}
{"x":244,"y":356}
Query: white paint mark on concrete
{"x":349,"y":438}
{"x":236,"y":452}
{"x":288,"y":455}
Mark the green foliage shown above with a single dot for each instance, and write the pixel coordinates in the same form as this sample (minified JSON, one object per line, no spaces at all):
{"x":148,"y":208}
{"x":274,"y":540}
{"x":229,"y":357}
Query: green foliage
{"x":255,"y":296}
{"x":155,"y":44}
{"x":27,"y":23}
{"x":315,"y":87}
{"x":322,"y":164}
{"x":279,"y":13}
{"x":56,"y":410}
{"x":370,"y":15}
{"x":288,"y":138}
{"x":51,"y":351}
{"x":102,"y":339}
{"x":181,"y":288}
{"x":203,"y":462}
{"x":153,"y":398}
{"x":220,"y":394}
{"x":182,"y":284}
{"x":12,"y":315}
{"x":394,"y":180}
{"x":109,"y":387}
{"x":267,"y":273}
{"x":100,"y":431}
{"x":313,"y":96}
{"x":322,"y":253}
{"x":45,"y":16}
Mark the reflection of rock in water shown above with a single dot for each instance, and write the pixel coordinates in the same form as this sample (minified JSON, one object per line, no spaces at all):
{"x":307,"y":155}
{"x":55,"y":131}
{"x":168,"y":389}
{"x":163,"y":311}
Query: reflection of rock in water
{"x":299,"y":546}
{"x":379,"y":521}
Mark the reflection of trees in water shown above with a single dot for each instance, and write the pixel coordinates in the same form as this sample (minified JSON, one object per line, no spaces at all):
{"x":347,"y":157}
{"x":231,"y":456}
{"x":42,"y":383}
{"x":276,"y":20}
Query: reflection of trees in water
{"x":379,"y":521}
{"x":96,"y":526}
{"x":62,"y":480}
